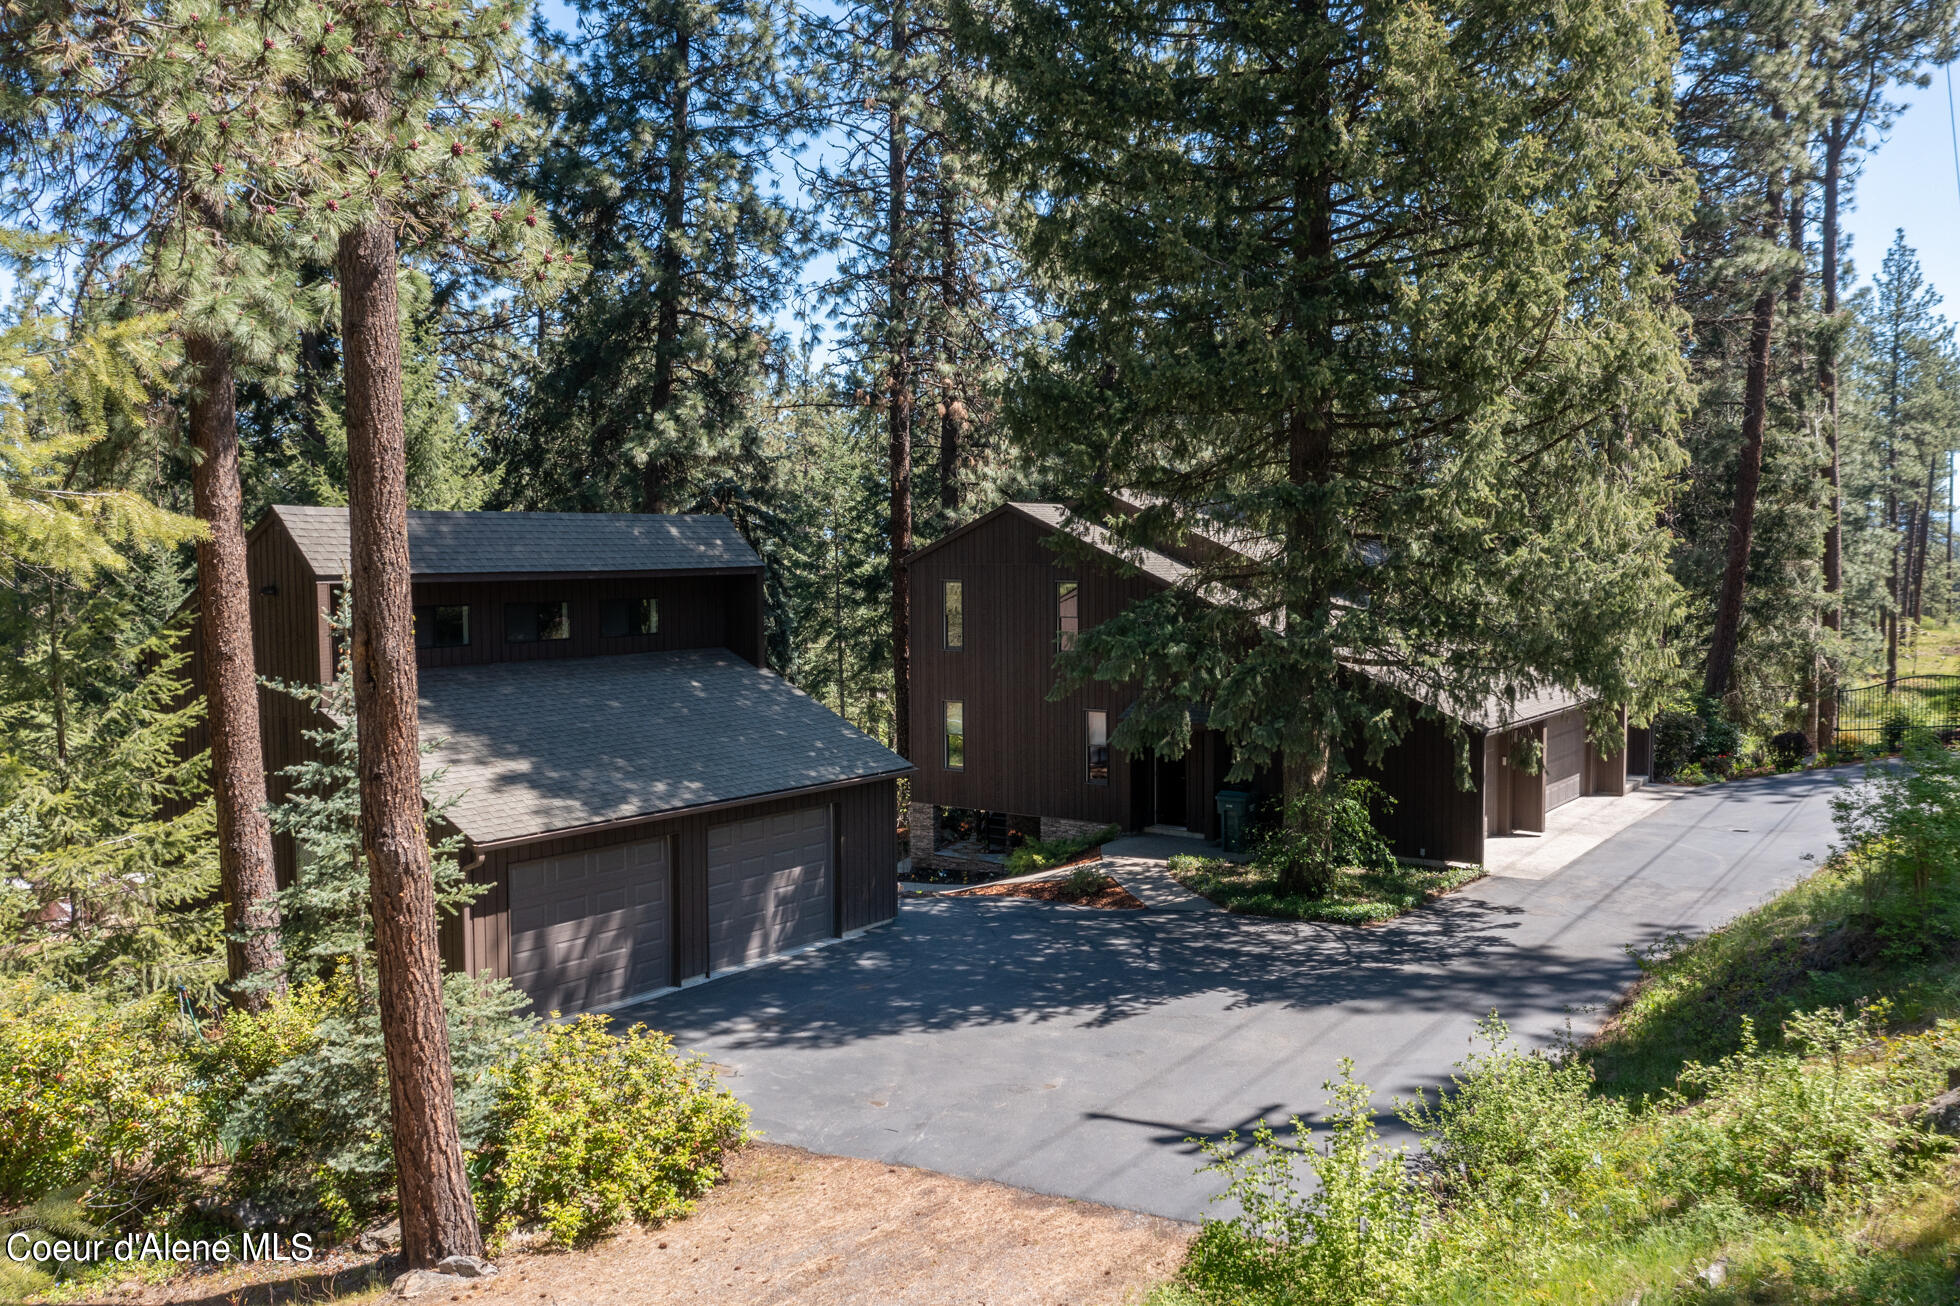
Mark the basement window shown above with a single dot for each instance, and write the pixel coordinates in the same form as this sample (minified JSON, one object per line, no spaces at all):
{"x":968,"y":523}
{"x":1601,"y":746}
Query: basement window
{"x":527,"y":623}
{"x":622,"y":617}
{"x":442,"y":625}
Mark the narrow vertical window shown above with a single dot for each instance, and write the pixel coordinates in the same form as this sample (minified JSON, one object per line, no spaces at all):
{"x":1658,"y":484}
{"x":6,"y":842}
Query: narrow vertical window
{"x":955,"y":735}
{"x":1096,"y":728}
{"x":952,"y":604}
{"x":1068,"y":612}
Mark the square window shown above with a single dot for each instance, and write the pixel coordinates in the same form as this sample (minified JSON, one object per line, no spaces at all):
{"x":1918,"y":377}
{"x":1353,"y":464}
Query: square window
{"x":622,"y":617}
{"x":955,"y":735}
{"x":1097,"y":730}
{"x":442,"y":625}
{"x":953,"y":607}
{"x":526,"y":623}
{"x":1068,"y":612}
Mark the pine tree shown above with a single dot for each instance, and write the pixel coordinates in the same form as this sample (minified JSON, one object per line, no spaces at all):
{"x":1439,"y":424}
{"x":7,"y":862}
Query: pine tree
{"x":663,"y":125}
{"x":1383,"y":289}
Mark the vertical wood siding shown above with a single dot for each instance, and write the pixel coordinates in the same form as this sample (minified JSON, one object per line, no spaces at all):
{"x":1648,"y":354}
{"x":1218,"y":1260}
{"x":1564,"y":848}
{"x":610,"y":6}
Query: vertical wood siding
{"x":1434,"y":817}
{"x":695,"y":612}
{"x":1024,"y":754}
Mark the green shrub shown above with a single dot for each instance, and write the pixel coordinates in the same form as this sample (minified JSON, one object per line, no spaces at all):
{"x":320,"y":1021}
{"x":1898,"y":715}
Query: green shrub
{"x":589,"y":1130}
{"x":94,"y":1098}
{"x":299,"y":1092}
{"x":1520,"y":1150}
{"x":1788,"y":750}
{"x":1355,"y":1239}
{"x":1084,"y":881}
{"x":1045,"y":854}
{"x":1327,"y":831}
{"x":1798,"y":1130}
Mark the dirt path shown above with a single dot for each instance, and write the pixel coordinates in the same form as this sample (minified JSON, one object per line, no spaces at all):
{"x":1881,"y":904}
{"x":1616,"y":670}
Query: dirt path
{"x":792,"y":1226}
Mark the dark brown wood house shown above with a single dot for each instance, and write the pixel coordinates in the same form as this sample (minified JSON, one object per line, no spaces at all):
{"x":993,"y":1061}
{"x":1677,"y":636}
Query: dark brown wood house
{"x":993,"y":601}
{"x":644,"y":802}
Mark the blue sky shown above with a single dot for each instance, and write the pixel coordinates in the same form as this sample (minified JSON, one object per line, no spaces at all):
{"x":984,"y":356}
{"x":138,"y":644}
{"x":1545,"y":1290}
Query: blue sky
{"x":1911,"y":183}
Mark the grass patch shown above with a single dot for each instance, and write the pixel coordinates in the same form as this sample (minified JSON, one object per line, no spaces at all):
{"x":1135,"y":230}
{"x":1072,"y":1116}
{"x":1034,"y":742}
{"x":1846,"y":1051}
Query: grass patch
{"x":1813,"y":946}
{"x":1358,"y":897}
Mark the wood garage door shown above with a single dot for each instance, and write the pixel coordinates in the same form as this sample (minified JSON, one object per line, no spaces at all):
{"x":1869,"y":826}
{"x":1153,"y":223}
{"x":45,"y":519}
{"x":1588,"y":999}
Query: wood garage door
{"x":590,"y":929}
{"x":1565,"y":758}
{"x":769,"y":886}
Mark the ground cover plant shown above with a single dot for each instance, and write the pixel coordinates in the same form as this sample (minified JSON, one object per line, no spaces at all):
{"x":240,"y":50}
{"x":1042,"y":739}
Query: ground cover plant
{"x":1046,"y":854}
{"x":1352,"y":896}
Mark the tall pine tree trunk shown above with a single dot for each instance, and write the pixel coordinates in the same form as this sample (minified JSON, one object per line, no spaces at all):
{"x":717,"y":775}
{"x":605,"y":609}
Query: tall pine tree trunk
{"x":437,"y":1214}
{"x":899,"y":329}
{"x":661,"y":472}
{"x":952,"y":416}
{"x":1827,"y":385}
{"x":1748,"y":480}
{"x":1925,"y":541}
{"x":254,"y":956}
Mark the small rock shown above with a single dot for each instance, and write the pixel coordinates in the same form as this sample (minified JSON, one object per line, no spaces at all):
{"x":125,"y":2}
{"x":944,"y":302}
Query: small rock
{"x":1943,"y":1112}
{"x":248,"y":1216}
{"x":1715,"y":1275}
{"x":380,"y":1239}
{"x":426,"y":1283}
{"x":466,"y":1267}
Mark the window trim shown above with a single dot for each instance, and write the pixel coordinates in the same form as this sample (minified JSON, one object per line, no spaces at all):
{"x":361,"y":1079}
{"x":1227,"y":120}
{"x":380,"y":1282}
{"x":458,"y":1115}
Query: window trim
{"x":1089,"y":745}
{"x":947,"y":736}
{"x":1065,"y":635}
{"x":946,"y":611}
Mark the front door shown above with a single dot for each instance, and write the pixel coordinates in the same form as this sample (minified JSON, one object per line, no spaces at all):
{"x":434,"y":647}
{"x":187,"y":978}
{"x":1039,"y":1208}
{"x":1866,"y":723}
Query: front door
{"x":1168,"y":796}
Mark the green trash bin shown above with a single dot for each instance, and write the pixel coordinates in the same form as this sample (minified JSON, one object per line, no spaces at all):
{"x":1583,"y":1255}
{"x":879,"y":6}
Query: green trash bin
{"x":1234,"y":815}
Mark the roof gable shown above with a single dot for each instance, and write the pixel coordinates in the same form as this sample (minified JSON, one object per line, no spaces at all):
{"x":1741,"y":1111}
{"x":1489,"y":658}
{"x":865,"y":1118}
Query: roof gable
{"x":492,"y":543}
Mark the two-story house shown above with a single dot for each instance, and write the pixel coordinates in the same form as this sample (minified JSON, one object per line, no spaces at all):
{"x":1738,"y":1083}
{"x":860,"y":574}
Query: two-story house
{"x":995,"y":599}
{"x":644,"y":802}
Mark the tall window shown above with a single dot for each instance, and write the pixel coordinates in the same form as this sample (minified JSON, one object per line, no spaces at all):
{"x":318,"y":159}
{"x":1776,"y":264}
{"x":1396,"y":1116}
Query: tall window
{"x":1096,"y":729}
{"x":526,"y":623}
{"x":618,"y":617}
{"x":442,"y":625}
{"x":952,"y":605}
{"x":1068,"y":612}
{"x":955,"y":735}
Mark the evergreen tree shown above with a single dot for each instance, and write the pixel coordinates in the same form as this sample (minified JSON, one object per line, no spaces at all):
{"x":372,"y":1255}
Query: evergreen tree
{"x":664,"y":124}
{"x":1383,"y":289}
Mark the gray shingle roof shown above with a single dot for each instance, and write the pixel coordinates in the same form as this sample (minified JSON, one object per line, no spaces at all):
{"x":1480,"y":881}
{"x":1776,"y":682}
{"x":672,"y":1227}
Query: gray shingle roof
{"x":469,"y":543}
{"x":532,"y":747}
{"x":1150,"y":562}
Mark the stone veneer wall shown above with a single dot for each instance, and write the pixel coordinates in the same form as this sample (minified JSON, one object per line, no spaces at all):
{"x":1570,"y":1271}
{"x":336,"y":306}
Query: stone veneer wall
{"x":1060,"y":827}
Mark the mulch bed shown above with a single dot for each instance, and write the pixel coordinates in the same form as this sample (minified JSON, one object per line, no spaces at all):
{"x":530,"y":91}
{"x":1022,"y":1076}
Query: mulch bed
{"x":1111,"y":895}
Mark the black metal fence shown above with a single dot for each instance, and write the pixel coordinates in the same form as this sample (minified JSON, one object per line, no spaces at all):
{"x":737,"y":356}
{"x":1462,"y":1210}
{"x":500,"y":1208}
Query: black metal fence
{"x":1884,"y":712}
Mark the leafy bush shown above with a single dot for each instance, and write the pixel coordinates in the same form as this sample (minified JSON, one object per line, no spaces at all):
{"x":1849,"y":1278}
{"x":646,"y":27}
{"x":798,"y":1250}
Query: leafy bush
{"x":1788,"y":750}
{"x":1794,"y":1130}
{"x":1893,"y":731}
{"x":1043,"y":854}
{"x":1355,"y":1239}
{"x":1325,"y":832}
{"x":1904,"y":822}
{"x":94,"y":1098}
{"x":1084,"y":881}
{"x":589,"y":1130}
{"x":1520,"y":1147}
{"x":1699,"y":734}
{"x":299,"y":1093}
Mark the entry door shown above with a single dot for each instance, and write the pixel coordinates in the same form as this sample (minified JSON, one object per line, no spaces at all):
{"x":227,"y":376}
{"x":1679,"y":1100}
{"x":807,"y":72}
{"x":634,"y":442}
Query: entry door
{"x":1565,"y":758}
{"x":591,"y":929}
{"x":769,"y":885}
{"x":1169,"y":805}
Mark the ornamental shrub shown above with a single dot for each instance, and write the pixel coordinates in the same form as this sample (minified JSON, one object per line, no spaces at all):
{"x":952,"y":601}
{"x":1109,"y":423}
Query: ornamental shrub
{"x":1788,"y":750}
{"x":590,"y":1129}
{"x":1819,"y":1125}
{"x":1325,"y":832}
{"x":1354,"y":1237}
{"x":96,"y":1099}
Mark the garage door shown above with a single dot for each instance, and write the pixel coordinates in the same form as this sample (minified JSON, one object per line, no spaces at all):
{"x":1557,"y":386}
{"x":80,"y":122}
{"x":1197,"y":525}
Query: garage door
{"x":768,"y":886}
{"x":591,"y":929}
{"x":1565,"y":758}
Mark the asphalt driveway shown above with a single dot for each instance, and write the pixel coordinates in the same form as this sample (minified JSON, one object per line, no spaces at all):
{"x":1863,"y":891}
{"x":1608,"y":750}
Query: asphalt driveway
{"x":1073,"y":1051}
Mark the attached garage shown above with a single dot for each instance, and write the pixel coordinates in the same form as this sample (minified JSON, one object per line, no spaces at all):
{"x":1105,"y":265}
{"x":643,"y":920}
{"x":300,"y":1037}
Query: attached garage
{"x":590,"y":929}
{"x":770,"y":885}
{"x":1565,"y":758}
